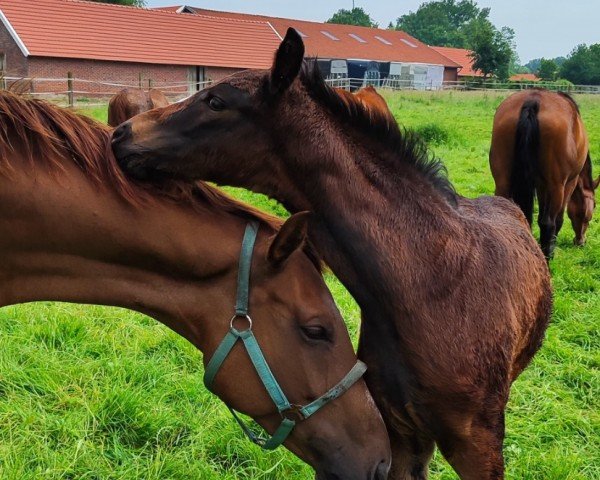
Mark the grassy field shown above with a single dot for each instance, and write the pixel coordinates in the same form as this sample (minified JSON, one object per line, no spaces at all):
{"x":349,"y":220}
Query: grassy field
{"x":100,"y":393}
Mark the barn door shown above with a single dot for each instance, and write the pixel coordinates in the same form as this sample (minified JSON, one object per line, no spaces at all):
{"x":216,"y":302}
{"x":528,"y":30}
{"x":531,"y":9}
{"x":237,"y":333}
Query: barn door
{"x":196,"y":79}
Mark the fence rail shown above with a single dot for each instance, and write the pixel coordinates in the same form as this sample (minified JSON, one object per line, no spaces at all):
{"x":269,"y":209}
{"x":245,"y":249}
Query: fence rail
{"x":71,"y":91}
{"x":392,"y":83}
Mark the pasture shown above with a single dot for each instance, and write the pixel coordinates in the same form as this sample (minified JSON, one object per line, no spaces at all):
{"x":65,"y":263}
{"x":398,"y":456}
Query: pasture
{"x":102,"y":393}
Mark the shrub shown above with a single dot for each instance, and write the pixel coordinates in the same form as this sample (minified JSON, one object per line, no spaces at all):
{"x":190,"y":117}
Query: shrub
{"x":433,"y":133}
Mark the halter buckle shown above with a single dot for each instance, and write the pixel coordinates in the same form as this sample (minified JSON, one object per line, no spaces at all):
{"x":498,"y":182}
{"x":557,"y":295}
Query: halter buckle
{"x":244,"y":317}
{"x":293,"y":413}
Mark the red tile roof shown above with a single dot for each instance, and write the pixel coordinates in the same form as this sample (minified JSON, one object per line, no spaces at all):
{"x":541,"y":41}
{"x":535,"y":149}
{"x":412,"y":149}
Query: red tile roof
{"x":525,"y":77}
{"x":460,"y":56}
{"x":379,"y":44}
{"x":88,"y":30}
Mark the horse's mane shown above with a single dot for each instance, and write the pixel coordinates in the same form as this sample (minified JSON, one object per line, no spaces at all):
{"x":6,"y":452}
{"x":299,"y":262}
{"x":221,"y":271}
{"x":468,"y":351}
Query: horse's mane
{"x":402,"y":145}
{"x":50,"y":136}
{"x":586,"y":173}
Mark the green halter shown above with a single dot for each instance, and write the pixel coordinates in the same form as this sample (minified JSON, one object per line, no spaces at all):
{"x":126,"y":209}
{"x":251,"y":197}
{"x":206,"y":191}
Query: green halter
{"x":284,"y":407}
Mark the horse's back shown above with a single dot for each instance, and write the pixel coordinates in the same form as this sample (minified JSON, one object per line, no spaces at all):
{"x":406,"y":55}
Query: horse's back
{"x":511,"y":256}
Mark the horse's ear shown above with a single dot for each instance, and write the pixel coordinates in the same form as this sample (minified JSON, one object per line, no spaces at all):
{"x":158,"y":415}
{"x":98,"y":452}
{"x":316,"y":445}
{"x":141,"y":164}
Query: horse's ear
{"x":288,"y":61}
{"x":597,"y":182}
{"x":290,"y":238}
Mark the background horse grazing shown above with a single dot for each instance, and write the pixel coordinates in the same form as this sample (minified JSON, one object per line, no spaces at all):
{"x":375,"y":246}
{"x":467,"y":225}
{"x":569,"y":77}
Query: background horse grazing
{"x":539,"y":145}
{"x":75,"y":229}
{"x":583,"y":202}
{"x":133,"y":101}
{"x":455,"y":293}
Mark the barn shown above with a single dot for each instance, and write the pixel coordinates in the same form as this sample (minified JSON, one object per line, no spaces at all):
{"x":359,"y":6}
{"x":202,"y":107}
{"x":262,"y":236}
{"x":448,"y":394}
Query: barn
{"x":372,"y":55}
{"x":105,"y":45}
{"x":462,"y":57}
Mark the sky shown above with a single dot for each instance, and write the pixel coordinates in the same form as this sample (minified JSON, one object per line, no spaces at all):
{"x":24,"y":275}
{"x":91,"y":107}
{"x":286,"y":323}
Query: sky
{"x":544,"y":28}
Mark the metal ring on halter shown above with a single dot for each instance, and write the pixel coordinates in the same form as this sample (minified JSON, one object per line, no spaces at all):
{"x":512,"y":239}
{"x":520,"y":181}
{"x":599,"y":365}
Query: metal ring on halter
{"x":293,"y":413}
{"x":247,"y":317}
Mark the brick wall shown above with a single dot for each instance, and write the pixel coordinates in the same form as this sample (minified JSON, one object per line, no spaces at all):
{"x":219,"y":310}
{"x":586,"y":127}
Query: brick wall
{"x":15,"y":61}
{"x":163,"y":77}
{"x":215,"y":74}
{"x":104,"y":72}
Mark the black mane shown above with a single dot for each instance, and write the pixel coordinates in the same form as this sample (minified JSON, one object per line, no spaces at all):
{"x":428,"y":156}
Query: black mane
{"x":403,"y":145}
{"x":586,"y":174}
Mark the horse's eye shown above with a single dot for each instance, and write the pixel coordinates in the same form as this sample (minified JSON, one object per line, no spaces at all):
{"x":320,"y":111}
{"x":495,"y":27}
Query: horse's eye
{"x":216,"y":104}
{"x":316,"y":332}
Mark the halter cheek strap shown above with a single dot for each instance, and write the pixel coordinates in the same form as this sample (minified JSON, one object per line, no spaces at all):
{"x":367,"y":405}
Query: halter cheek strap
{"x":284,"y":407}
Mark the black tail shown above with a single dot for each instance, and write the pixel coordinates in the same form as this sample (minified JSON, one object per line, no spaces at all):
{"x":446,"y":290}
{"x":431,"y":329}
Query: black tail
{"x":525,"y":164}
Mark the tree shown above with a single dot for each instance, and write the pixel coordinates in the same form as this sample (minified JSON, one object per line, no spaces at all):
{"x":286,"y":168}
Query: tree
{"x":582,"y":67}
{"x":132,"y":3}
{"x":492,"y":50}
{"x":356,"y":16}
{"x":548,"y":70}
{"x":444,"y":23}
{"x":534,"y":65}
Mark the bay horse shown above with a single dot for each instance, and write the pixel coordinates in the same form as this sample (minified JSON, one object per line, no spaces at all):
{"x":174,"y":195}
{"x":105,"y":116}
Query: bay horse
{"x":370,"y":99}
{"x":133,"y":101}
{"x":75,"y":229}
{"x":455,"y":293}
{"x":540,"y":146}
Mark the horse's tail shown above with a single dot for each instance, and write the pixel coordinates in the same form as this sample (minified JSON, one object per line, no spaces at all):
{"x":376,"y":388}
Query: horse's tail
{"x":526,"y":158}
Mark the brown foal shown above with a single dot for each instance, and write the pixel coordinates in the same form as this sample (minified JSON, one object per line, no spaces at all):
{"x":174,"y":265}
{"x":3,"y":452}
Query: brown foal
{"x":455,"y":293}
{"x":75,"y":229}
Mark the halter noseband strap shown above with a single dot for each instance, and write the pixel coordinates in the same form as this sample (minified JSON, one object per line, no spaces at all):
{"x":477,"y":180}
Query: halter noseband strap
{"x":284,"y":407}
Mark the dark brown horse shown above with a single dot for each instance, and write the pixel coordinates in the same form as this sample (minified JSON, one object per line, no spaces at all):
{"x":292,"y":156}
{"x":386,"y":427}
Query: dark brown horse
{"x":539,"y":145}
{"x":455,"y":293}
{"x":130,"y":102}
{"x":74,"y":229}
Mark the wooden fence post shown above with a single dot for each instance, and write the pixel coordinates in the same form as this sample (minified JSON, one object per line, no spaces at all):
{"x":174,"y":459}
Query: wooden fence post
{"x":70,"y":93}
{"x":149,"y":84}
{"x":140,"y":80}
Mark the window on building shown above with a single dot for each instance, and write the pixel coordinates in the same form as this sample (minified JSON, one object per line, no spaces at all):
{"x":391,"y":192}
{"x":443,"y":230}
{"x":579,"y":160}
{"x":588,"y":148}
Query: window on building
{"x":410,"y":44}
{"x":303,"y":35}
{"x":383,"y":40}
{"x":357,"y":38}
{"x":329,"y":35}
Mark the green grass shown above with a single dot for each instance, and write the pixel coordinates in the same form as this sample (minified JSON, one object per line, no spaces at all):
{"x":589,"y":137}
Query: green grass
{"x":102,"y":393}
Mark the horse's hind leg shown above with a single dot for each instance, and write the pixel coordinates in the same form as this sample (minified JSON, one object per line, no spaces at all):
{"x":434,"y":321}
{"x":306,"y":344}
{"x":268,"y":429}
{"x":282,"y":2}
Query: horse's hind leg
{"x":411,"y":455}
{"x":551,"y":204}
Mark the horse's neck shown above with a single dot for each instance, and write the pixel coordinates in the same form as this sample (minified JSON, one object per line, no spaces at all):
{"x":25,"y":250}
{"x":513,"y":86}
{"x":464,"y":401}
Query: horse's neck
{"x":66,"y":239}
{"x":382,"y":241}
